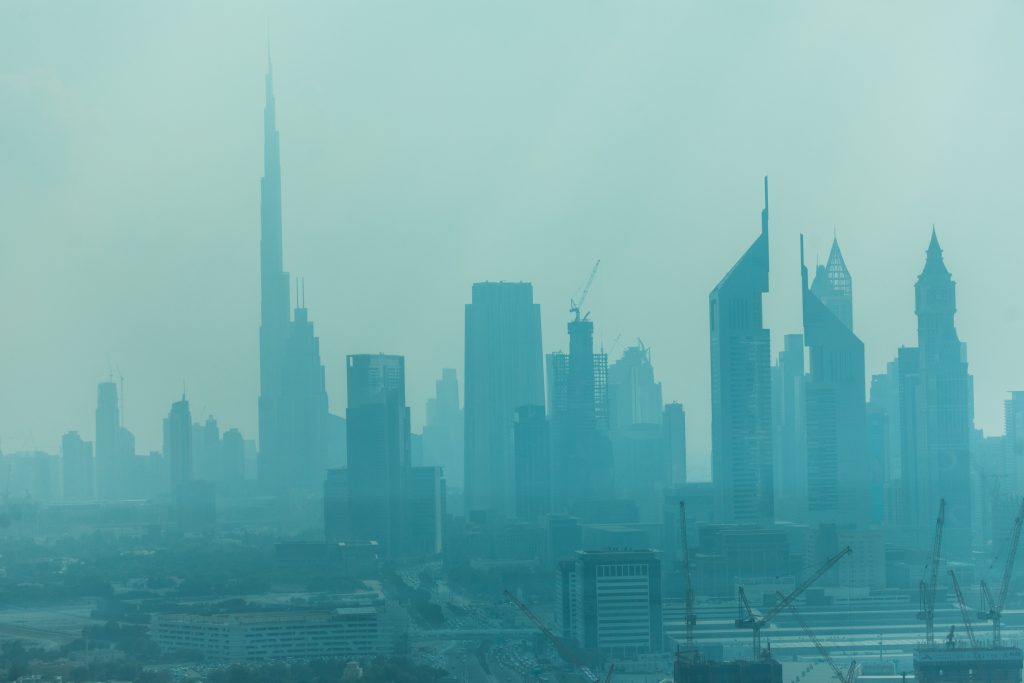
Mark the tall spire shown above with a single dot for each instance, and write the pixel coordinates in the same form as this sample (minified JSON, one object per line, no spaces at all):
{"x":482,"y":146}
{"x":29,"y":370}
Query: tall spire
{"x":934,"y":262}
{"x":275,"y":314}
{"x":764,"y":211}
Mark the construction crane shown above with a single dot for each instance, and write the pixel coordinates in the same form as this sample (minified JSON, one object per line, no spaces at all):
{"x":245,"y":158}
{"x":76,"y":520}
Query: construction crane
{"x":926,"y":589}
{"x":963,"y":609}
{"x":563,"y":649}
{"x":994,"y":608}
{"x":575,"y":307}
{"x":752,"y":621}
{"x":691,"y":616}
{"x":850,"y":675}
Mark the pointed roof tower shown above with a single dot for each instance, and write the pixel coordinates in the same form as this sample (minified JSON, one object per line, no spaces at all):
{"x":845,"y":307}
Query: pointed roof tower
{"x":934,"y":262}
{"x":838,"y":274}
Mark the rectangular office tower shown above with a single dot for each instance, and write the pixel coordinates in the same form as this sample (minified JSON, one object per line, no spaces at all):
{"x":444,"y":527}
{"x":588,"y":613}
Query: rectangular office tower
{"x":504,"y":370}
{"x":611,"y":601}
{"x":379,"y":454}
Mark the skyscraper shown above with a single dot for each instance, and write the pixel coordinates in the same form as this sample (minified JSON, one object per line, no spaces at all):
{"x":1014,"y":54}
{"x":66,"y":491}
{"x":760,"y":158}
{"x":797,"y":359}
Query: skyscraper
{"x":937,"y":413}
{"x":179,"y":444}
{"x":444,"y":429}
{"x":379,"y":454}
{"x":741,"y":404}
{"x":77,"y":469}
{"x":533,"y":463}
{"x":833,"y":286}
{"x":274,"y":296}
{"x":273,"y":281}
{"x":581,"y":448}
{"x":109,"y":468}
{"x":294,"y":424}
{"x":302,"y":411}
{"x":504,"y":370}
{"x":634,"y":397}
{"x":839,"y":476}
{"x":790,"y":432}
{"x":673,"y":430}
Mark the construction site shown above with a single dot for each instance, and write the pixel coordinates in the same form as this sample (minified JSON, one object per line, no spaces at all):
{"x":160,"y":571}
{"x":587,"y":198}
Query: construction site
{"x":794,"y":640}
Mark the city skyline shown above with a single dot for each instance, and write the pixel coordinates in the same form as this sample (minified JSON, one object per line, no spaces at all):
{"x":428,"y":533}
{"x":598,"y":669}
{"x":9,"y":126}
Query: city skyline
{"x":673,"y":331}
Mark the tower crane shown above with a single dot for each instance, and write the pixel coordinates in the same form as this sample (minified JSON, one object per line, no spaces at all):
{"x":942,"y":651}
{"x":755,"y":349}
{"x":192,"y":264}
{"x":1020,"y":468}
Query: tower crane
{"x":850,"y":675}
{"x":691,"y":617}
{"x":926,"y":589}
{"x":563,"y":649}
{"x":994,"y":608}
{"x":575,"y":307}
{"x":964,"y":613}
{"x":749,"y":619}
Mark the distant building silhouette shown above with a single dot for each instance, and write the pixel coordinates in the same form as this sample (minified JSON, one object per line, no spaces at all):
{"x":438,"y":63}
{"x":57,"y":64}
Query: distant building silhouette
{"x":634,"y":397}
{"x":389,"y":501}
{"x":833,"y":286}
{"x":231,"y":469}
{"x":937,"y":414}
{"x":790,"y":431}
{"x":581,"y":448}
{"x":884,"y":439}
{"x":673,"y":429}
{"x":303,"y":432}
{"x":504,"y":370}
{"x":839,"y":474}
{"x":77,"y":469}
{"x":444,"y":430}
{"x":741,"y":404}
{"x":379,"y":455}
{"x":532,"y":463}
{"x":179,"y":449}
{"x":274,"y":302}
{"x":109,"y":469}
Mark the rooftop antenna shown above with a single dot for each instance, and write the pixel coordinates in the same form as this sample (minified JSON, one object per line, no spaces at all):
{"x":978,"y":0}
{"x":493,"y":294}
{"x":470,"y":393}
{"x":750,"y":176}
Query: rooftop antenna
{"x":120,"y":378}
{"x":764,"y":211}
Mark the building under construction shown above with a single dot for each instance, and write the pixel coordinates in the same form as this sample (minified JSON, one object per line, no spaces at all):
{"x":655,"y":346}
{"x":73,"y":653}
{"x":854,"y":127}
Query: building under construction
{"x":692,"y":667}
{"x":962,"y":664}
{"x":700,"y":670}
{"x":971,"y":661}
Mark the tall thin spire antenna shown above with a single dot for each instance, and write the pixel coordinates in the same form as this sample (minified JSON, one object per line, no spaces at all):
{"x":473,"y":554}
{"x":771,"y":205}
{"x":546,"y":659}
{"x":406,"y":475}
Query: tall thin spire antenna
{"x":803,"y":267}
{"x":764,"y":211}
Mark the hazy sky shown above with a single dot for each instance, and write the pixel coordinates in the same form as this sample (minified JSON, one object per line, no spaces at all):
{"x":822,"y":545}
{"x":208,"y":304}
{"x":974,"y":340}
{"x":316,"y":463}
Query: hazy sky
{"x":428,"y":145}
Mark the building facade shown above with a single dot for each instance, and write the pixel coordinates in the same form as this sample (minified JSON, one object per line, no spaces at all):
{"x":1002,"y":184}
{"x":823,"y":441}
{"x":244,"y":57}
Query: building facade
{"x":504,"y":370}
{"x":741,"y":405}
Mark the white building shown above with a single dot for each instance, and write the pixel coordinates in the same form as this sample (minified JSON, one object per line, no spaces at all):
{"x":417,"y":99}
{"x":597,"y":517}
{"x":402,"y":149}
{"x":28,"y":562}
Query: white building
{"x":365,"y":630}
